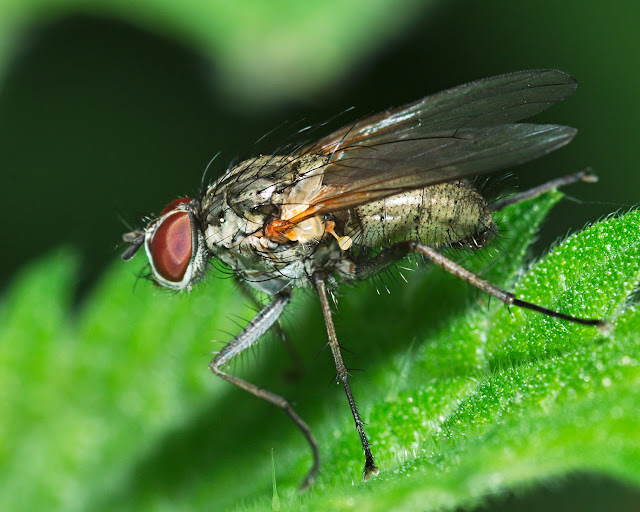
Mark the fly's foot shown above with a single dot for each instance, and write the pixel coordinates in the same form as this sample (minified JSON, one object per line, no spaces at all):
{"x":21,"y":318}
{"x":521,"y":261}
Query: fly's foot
{"x":308,"y":481}
{"x":370,"y":469}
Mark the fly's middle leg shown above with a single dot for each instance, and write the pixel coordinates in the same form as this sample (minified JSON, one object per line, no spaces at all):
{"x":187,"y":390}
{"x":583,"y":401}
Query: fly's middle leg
{"x":319,"y":281}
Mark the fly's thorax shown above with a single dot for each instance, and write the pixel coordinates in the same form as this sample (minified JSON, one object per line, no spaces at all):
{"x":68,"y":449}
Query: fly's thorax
{"x":233,"y":207}
{"x":255,"y":192}
{"x":437,"y":215}
{"x":261,"y":189}
{"x":240,"y":206}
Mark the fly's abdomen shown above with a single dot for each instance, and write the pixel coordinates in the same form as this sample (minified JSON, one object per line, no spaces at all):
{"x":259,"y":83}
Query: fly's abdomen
{"x":437,"y":215}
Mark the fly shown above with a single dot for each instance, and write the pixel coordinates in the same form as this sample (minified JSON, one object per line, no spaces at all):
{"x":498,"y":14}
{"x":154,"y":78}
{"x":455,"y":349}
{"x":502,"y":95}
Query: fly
{"x":355,"y":202}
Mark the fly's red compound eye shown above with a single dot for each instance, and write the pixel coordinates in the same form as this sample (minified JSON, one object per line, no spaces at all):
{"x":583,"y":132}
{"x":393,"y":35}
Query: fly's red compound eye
{"x":171,"y":245}
{"x":174,"y":204}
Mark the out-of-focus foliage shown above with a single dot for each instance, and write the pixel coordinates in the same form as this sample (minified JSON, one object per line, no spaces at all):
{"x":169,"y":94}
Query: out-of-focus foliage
{"x":255,"y":44}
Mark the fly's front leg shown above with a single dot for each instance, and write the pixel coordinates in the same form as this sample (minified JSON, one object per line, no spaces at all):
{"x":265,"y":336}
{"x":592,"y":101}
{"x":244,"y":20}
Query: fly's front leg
{"x":295,"y":371}
{"x":262,"y":322}
{"x":319,"y":281}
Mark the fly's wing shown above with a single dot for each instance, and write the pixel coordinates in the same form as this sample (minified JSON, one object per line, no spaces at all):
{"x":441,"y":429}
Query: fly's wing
{"x":465,"y":131}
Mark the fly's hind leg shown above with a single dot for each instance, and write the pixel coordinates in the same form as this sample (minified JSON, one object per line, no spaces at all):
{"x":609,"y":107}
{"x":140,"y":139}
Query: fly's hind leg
{"x":586,"y":176}
{"x":262,"y":322}
{"x":401,"y":249}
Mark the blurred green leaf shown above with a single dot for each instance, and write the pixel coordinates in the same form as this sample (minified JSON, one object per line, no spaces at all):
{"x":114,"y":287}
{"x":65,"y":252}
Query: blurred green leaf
{"x":262,"y":50}
{"x":111,"y":406}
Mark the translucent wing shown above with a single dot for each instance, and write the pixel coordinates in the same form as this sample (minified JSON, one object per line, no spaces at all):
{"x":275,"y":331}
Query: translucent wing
{"x":461,"y":132}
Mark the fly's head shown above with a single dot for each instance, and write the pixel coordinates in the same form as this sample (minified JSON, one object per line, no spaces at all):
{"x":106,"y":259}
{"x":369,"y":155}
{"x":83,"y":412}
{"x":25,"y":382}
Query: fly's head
{"x":174,"y":244}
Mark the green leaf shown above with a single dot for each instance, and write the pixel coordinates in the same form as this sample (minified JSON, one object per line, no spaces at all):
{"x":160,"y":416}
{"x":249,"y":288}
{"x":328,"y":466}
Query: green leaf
{"x":111,"y":406}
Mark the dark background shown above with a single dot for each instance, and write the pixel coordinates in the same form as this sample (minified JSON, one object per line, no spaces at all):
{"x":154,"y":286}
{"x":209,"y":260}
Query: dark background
{"x":99,"y":118}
